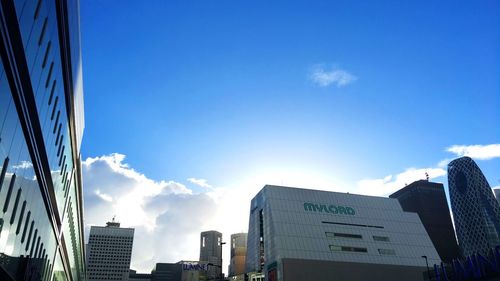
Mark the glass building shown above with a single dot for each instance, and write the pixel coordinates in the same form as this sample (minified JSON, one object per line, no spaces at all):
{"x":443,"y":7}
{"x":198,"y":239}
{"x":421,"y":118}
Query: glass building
{"x":476,"y":212}
{"x":41,"y":126}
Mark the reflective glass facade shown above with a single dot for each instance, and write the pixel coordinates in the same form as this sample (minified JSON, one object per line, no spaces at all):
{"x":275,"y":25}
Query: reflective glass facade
{"x":41,"y":125}
{"x":476,"y":212}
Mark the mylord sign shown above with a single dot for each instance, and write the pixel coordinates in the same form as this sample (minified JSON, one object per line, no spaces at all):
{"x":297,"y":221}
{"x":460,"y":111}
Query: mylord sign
{"x":331,"y":209}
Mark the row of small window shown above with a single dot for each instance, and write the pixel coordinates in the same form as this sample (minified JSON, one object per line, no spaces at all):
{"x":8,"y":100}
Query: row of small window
{"x":104,"y":237}
{"x":111,"y":254}
{"x":36,"y":250}
{"x":95,"y":271}
{"x":103,"y":265}
{"x":107,"y":260}
{"x":337,"y":248}
{"x":109,"y":243}
{"x":355,"y":236}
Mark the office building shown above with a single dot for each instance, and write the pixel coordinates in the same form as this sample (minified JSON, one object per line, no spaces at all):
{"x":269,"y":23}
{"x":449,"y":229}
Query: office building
{"x":238,"y":254}
{"x":109,"y":252}
{"x":41,"y":117}
{"x":476,"y":212}
{"x":211,"y":252}
{"x":496,"y":191}
{"x":302,"y":234}
{"x":167,"y":272}
{"x":134,"y":276}
{"x":428,"y":200}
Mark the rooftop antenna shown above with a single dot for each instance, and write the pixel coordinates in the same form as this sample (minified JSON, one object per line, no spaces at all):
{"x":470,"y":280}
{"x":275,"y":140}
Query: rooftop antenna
{"x":427,"y":176}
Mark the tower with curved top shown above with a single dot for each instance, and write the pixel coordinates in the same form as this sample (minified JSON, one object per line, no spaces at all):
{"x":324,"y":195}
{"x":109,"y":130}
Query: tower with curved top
{"x":476,"y":212}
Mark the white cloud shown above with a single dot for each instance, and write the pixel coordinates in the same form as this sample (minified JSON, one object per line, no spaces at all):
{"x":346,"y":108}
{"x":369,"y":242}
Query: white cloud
{"x":165,"y":213}
{"x":324,"y":77}
{"x":23,"y":165}
{"x":391,"y":183}
{"x":479,"y":152}
{"x":200,"y":182}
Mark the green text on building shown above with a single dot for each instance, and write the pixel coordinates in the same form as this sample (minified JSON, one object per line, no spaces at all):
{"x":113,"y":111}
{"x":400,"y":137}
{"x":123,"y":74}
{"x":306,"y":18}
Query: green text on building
{"x":332,"y":209}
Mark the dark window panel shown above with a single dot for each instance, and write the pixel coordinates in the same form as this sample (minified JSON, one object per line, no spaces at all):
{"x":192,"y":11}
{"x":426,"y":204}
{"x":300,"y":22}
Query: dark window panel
{"x":4,"y":170}
{"x":25,"y":227}
{"x":16,"y":203}
{"x":9,"y":193}
{"x":21,"y":216}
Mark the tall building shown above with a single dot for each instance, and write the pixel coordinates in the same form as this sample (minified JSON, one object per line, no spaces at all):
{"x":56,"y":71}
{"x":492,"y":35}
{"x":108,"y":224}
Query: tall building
{"x":41,"y":117}
{"x":496,"y":191}
{"x":476,"y":212}
{"x":109,"y":252}
{"x":428,"y":200}
{"x":301,"y":234}
{"x":211,"y":252}
{"x":238,"y":254}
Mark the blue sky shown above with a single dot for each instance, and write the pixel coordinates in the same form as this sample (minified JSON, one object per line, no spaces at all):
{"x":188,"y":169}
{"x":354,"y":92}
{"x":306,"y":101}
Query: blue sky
{"x":332,"y":94}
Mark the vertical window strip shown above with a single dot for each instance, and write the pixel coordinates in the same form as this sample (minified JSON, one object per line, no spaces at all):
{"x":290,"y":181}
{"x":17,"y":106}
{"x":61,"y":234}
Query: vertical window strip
{"x":58,"y":133}
{"x":46,"y":56}
{"x":61,"y":164}
{"x":61,"y":157}
{"x":21,"y":216}
{"x":46,"y":265}
{"x":54,"y":108}
{"x":57,"y":121}
{"x":16,"y":203}
{"x":9,"y":193}
{"x":65,"y":175}
{"x":29,"y":236}
{"x":52,"y":91}
{"x":4,"y":170}
{"x":60,"y":146}
{"x":67,"y":189}
{"x":42,"y":33}
{"x":41,"y":251}
{"x":26,"y":222}
{"x":49,"y":76}
{"x":37,"y":9}
{"x":37,"y":245}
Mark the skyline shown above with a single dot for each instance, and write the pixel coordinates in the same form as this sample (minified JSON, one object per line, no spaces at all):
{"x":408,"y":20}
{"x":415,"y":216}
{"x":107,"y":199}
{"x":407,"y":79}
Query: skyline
{"x":199,"y":105}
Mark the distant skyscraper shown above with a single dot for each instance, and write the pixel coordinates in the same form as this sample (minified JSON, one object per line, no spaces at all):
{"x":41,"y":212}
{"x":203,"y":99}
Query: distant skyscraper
{"x":238,"y":254}
{"x":41,"y":117}
{"x":428,"y":200}
{"x":496,"y":191}
{"x":211,"y":252}
{"x":475,"y":210}
{"x":109,"y":252}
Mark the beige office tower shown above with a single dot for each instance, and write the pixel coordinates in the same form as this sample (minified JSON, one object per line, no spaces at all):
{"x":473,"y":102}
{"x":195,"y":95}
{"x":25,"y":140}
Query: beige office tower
{"x":109,"y":252}
{"x":238,"y":254}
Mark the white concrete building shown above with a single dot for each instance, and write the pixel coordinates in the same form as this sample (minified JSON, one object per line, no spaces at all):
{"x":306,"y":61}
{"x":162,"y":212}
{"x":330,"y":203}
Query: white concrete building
{"x":109,"y":251}
{"x":303,"y":234}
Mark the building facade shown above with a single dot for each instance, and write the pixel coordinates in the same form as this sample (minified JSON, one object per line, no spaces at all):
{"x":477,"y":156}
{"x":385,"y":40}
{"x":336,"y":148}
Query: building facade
{"x":109,"y":252}
{"x":476,"y":211}
{"x":496,"y":191}
{"x":211,"y":252}
{"x":41,"y":117}
{"x":238,"y":254}
{"x":428,"y":200}
{"x":303,"y":234}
